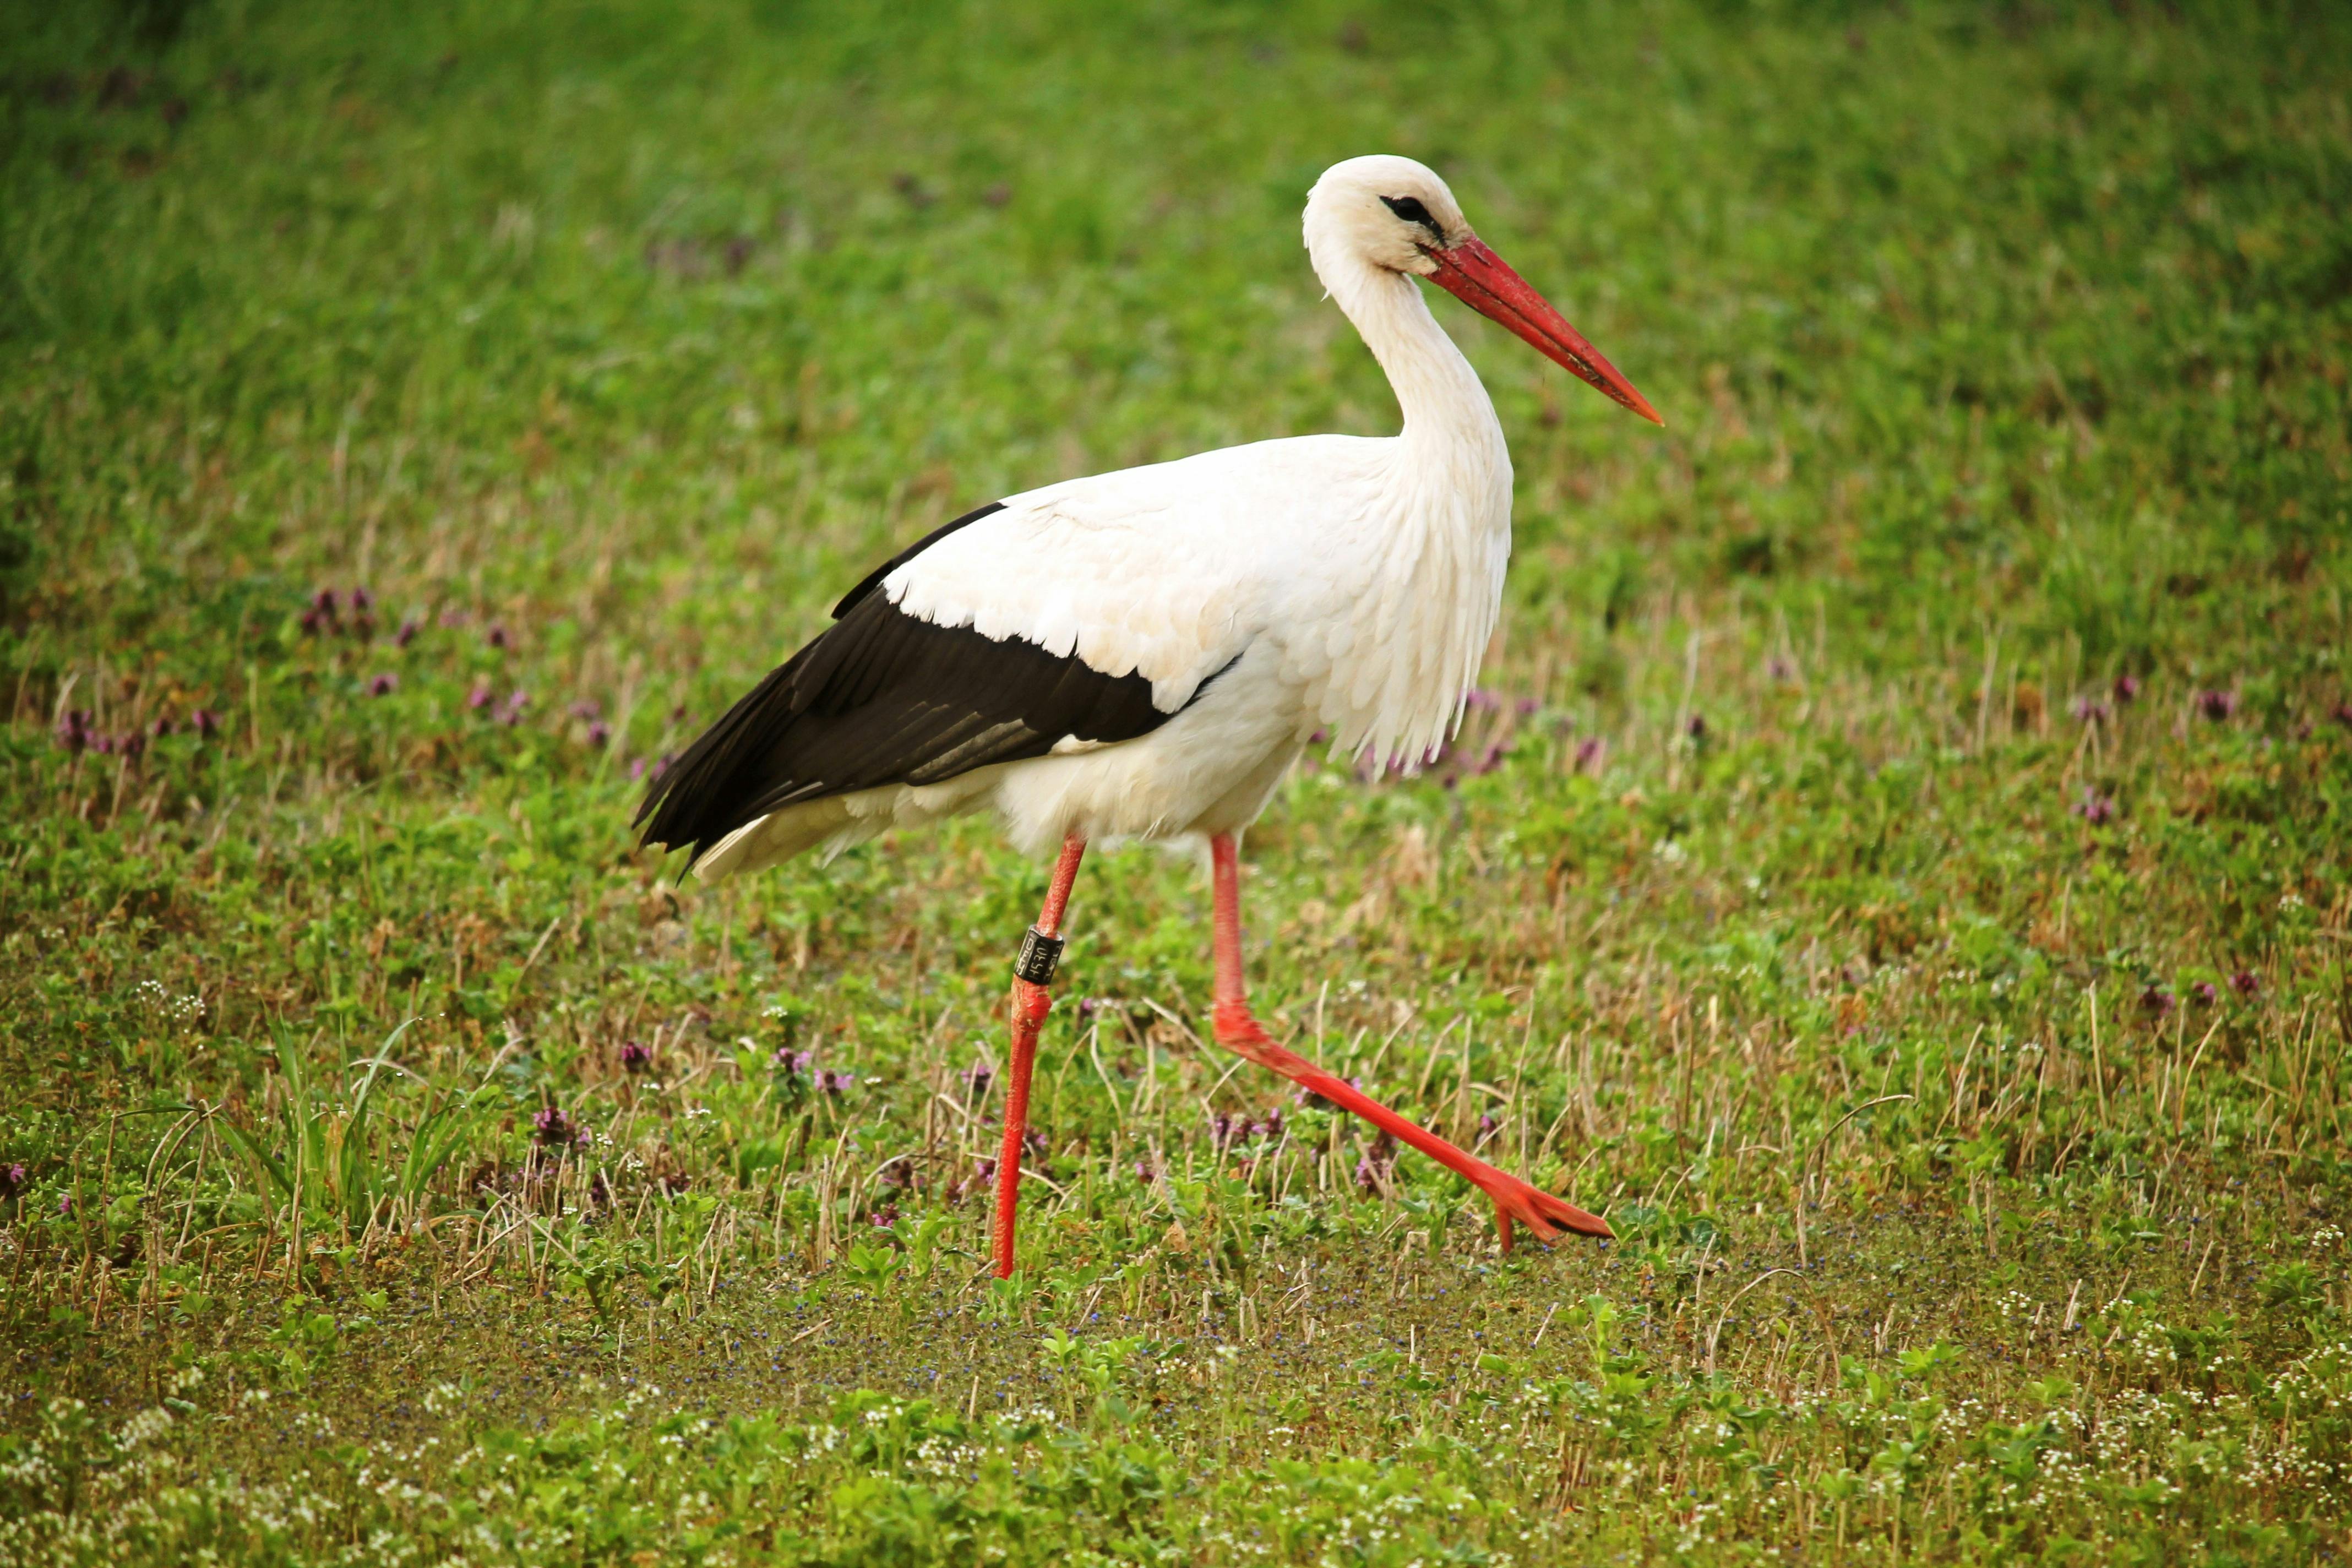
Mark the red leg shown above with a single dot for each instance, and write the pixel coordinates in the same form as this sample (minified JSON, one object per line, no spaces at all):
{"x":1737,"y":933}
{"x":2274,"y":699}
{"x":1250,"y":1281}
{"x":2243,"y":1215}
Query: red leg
{"x":1237,"y":1030}
{"x":1031,"y":1001}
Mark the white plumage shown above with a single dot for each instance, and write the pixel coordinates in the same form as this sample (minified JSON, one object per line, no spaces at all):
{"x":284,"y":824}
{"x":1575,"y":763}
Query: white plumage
{"x":1342,"y":584}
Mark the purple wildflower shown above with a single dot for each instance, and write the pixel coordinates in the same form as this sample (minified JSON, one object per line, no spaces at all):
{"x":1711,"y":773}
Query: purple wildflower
{"x":2244,"y":983}
{"x":361,"y":600}
{"x":1323,"y":737}
{"x":12,"y":1180}
{"x":978,"y":1077}
{"x":497,"y":635}
{"x":2094,"y":808}
{"x":1088,"y":1007}
{"x":585,"y":708}
{"x":2217,"y":705}
{"x":205,"y":722}
{"x":1589,"y":753}
{"x":885,"y":1216}
{"x":510,"y":712}
{"x":383,"y":685}
{"x":637,"y":1056}
{"x":598,"y":733}
{"x":479,"y":697}
{"x":1478,"y":699}
{"x":74,"y":732}
{"x":1033,"y":1143}
{"x":1777,"y":668}
{"x":788,"y":1060}
{"x":133,"y":744}
{"x":556,"y":1129}
{"x":2092,"y":711}
{"x":1695,"y":728}
{"x":2156,"y":1002}
{"x":160,"y":728}
{"x":636,"y":769}
{"x":1270,"y":1124}
{"x":323,"y":612}
{"x":2342,"y":713}
{"x":65,"y":1206}
{"x":1488,"y":1125}
{"x":2126,"y":687}
{"x":407,"y":632}
{"x":2207,"y":992}
{"x":1146,"y":1173}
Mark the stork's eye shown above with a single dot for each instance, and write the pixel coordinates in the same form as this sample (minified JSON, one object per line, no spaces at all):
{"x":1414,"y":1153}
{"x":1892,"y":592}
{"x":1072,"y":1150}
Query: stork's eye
{"x":1410,"y":209}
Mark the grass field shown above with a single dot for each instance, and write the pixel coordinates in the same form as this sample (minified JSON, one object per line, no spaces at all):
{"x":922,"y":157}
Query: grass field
{"x":1899,"y":869}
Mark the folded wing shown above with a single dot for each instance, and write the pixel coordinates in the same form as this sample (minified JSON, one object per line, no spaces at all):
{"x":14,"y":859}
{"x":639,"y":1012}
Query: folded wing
{"x":882,"y":698}
{"x":1091,"y":611}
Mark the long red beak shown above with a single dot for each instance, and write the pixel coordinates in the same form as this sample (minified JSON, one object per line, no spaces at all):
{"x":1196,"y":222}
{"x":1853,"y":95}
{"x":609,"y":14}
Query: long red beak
{"x":1481,"y":280}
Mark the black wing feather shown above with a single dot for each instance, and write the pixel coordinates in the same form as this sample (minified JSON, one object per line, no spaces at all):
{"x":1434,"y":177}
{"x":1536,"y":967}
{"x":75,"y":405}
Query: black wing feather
{"x":873,"y":580}
{"x":882,"y":698}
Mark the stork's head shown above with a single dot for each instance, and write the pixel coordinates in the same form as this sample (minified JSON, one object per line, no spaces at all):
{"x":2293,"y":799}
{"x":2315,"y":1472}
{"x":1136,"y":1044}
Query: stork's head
{"x":1397,"y":215}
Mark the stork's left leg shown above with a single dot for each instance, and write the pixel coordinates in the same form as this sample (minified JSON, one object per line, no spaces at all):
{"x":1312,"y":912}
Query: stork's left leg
{"x":1031,"y":973}
{"x":1237,"y":1030}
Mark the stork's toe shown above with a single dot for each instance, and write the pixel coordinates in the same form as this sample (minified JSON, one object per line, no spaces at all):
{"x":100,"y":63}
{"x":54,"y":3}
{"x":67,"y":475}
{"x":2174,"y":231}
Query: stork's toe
{"x":1538,"y":1211}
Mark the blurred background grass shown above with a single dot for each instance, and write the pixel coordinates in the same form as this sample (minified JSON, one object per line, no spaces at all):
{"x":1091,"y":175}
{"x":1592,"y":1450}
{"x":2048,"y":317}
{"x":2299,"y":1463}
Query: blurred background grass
{"x":1926,"y":292}
{"x":1948,"y":703}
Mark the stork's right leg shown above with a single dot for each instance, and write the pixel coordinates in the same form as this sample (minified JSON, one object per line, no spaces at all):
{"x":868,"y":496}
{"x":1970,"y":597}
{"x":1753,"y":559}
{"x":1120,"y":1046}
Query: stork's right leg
{"x":1031,"y":973}
{"x":1237,"y":1030}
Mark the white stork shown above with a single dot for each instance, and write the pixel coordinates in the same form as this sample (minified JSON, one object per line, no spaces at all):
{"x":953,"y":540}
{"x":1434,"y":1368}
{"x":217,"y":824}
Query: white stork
{"x":1142,"y":655}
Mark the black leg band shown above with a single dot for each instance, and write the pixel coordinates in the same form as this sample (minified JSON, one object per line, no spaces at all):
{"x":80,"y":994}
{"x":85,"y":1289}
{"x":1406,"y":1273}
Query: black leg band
{"x":1039,"y":955}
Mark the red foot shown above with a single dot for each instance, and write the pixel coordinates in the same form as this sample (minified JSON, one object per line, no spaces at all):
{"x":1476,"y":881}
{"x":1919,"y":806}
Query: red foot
{"x":1513,"y":1199}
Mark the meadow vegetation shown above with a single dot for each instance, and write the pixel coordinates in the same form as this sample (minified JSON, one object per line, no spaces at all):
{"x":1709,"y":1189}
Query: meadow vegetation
{"x":1896,"y":867}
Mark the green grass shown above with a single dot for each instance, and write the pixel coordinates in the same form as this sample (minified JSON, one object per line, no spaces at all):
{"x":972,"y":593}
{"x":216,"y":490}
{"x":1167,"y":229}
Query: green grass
{"x":1910,"y":894}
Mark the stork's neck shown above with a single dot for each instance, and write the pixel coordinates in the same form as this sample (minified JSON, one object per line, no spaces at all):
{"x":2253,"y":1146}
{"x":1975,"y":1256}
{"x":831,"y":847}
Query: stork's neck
{"x":1449,"y":423}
